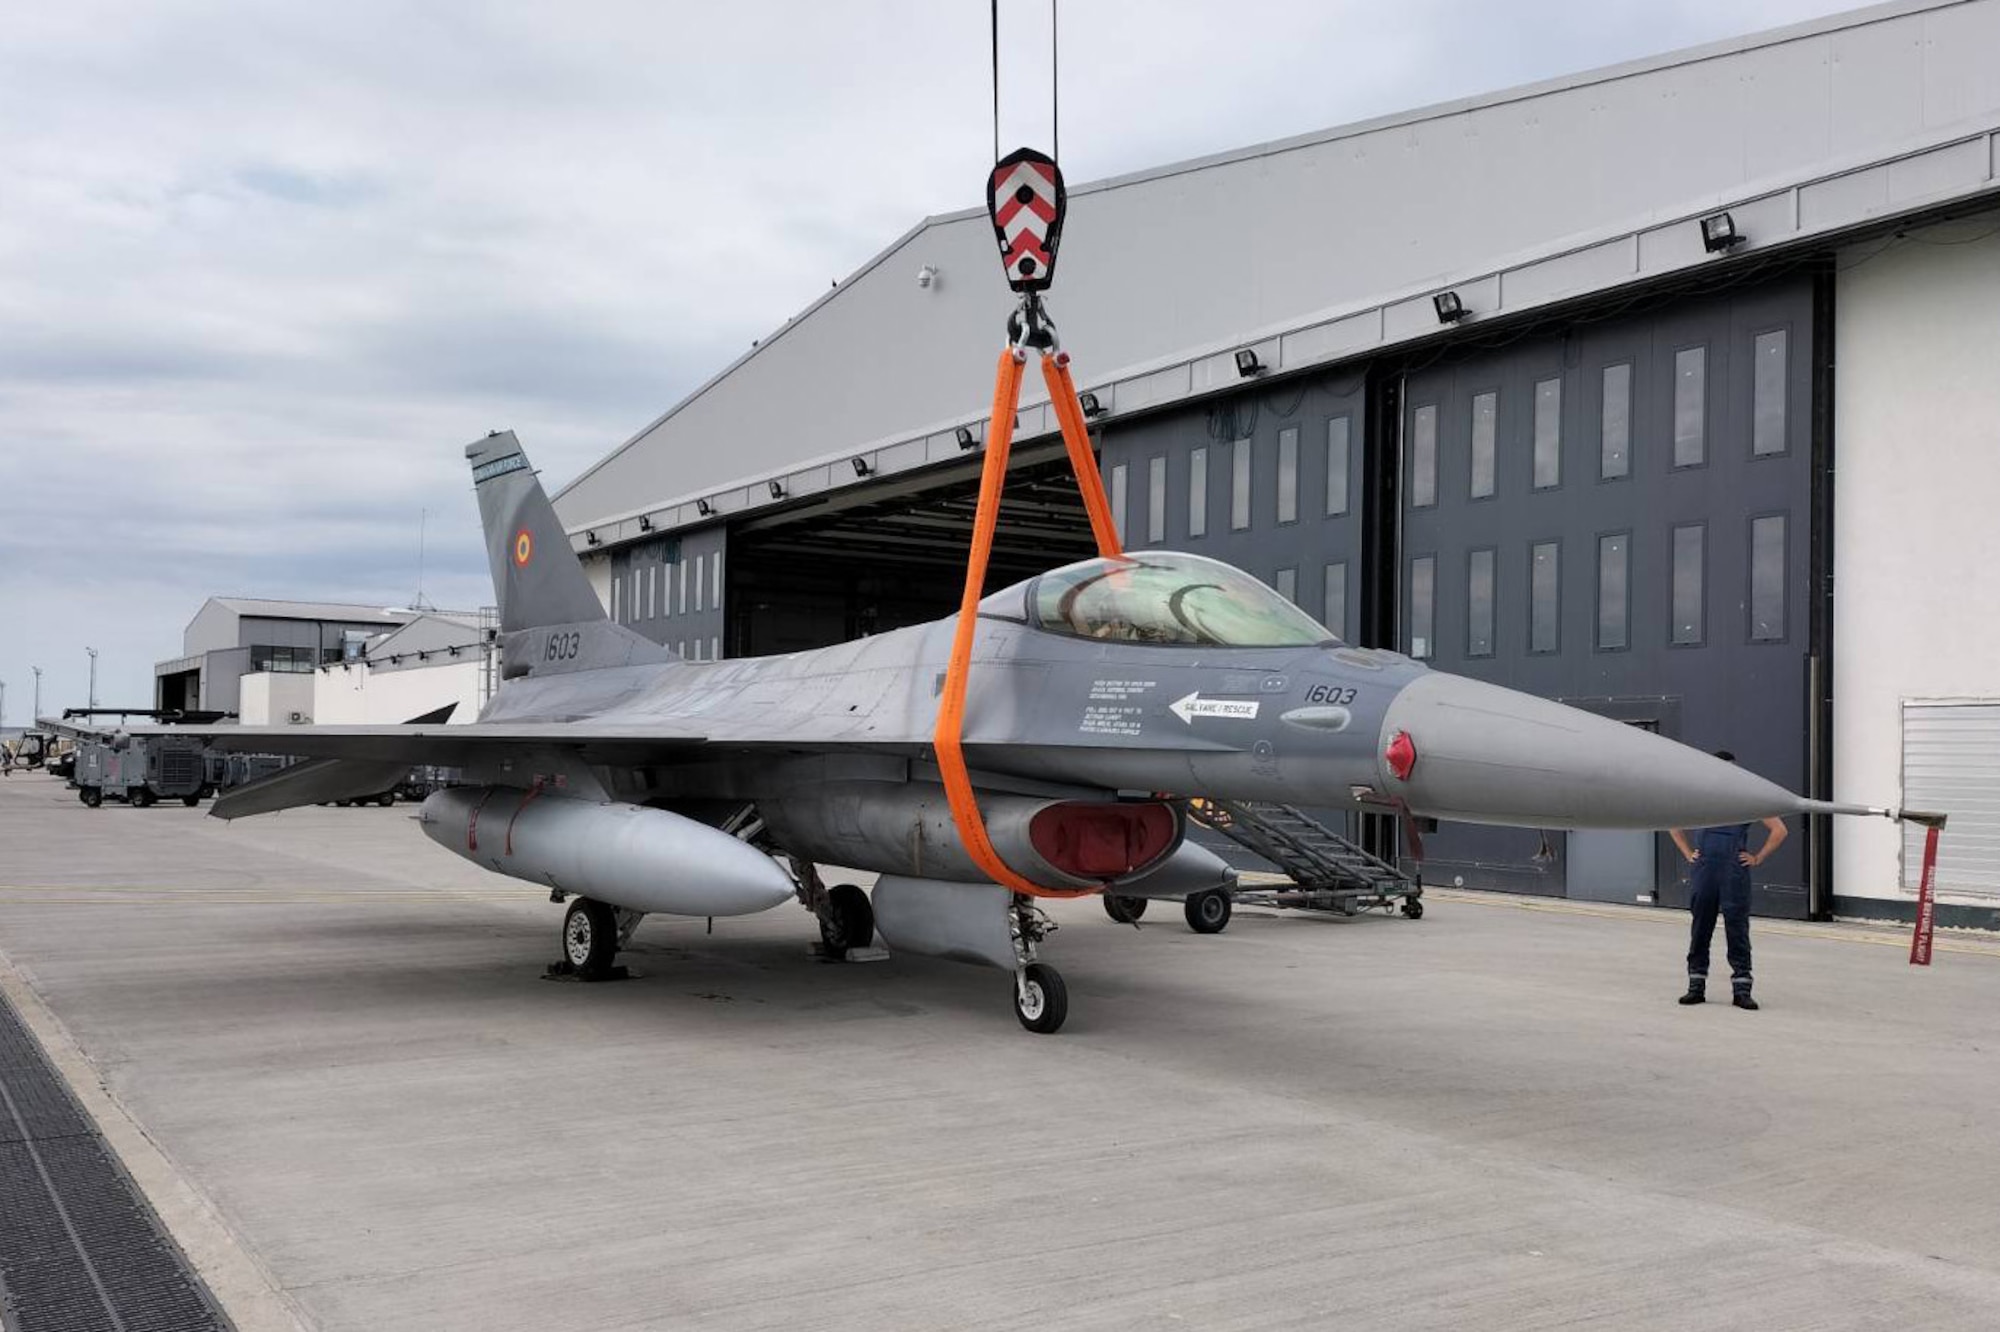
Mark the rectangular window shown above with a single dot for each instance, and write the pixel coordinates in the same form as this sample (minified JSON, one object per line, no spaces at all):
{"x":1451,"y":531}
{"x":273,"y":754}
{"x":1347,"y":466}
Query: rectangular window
{"x":684,"y":587}
{"x":1336,"y":466}
{"x":700,"y":578}
{"x":1767,"y":405}
{"x":1614,"y":560}
{"x":1288,"y":474}
{"x":1687,"y":583}
{"x":1614,"y":457}
{"x":666,"y":590}
{"x":715,"y":588}
{"x":1767,"y":579}
{"x":1690,"y":406}
{"x":1198,"y":493}
{"x":1423,"y":605}
{"x":1548,"y":433}
{"x":652,"y":590}
{"x":715,"y":649}
{"x":1335,"y":607}
{"x":1288,"y":584}
{"x":617,"y":598}
{"x":1424,"y":457}
{"x":1156,"y":500}
{"x":1545,"y":597}
{"x":1118,"y":501}
{"x":1479,"y":604}
{"x":1239,"y":487}
{"x":1485,"y":408}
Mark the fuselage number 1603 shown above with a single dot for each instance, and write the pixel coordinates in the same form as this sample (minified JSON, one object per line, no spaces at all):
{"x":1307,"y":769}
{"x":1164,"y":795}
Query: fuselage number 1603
{"x":1330,"y":694}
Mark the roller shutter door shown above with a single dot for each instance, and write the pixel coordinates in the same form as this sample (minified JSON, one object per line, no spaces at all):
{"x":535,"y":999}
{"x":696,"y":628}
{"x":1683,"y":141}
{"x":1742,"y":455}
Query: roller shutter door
{"x":1951,"y":762}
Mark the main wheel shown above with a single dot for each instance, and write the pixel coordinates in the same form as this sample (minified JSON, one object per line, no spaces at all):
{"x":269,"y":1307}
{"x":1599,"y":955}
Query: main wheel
{"x":1041,"y":1000}
{"x":1208,"y":912}
{"x":849,"y":921}
{"x":190,"y":800}
{"x":590,"y":937}
{"x":1124,"y":910}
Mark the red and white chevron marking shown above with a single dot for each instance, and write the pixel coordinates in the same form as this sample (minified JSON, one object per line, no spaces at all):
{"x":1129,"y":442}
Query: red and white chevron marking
{"x":1024,"y":206}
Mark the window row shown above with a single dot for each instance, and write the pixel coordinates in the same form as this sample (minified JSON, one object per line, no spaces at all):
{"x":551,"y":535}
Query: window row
{"x":1611,"y":630}
{"x":660,"y":591}
{"x":1614,"y":424}
{"x":1236,"y":457}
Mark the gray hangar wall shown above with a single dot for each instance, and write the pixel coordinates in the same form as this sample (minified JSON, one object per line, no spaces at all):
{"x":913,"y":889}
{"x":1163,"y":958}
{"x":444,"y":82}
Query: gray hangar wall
{"x":1616,"y":513}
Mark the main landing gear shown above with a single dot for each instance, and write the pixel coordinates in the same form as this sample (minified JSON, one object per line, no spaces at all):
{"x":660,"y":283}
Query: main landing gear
{"x":592,"y":934}
{"x":846,"y":921}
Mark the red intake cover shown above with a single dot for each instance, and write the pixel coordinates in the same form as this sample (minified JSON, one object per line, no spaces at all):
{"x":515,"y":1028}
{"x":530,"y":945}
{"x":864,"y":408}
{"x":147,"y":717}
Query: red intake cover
{"x":1101,"y":840}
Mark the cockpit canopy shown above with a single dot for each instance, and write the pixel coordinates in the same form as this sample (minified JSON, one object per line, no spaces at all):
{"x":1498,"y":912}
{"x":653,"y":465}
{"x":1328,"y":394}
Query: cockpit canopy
{"x":1169,"y":598}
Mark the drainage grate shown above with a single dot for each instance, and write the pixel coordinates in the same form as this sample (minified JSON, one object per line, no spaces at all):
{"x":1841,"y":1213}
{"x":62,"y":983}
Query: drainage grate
{"x":79,"y":1248}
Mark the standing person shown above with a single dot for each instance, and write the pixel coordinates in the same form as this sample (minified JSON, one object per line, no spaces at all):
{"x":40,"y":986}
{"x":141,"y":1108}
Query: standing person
{"x":1722,"y":861}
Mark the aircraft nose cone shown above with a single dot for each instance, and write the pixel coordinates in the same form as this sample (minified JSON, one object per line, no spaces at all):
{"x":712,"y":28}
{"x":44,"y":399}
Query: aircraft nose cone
{"x":1483,"y":754}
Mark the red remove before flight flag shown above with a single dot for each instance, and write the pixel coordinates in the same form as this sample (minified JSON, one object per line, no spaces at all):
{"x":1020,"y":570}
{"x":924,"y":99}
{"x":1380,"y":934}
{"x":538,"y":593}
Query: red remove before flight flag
{"x":1920,"y":942}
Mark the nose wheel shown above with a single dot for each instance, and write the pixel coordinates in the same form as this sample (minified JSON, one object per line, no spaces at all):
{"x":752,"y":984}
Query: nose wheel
{"x":1041,"y":1000}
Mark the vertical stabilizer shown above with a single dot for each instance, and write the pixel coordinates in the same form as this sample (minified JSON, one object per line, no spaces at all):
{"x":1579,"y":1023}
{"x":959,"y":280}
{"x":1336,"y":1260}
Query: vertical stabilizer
{"x":536,"y":576}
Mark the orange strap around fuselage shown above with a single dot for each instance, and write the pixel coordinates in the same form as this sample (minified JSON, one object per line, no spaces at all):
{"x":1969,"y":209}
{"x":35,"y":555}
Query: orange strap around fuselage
{"x":946,"y":742}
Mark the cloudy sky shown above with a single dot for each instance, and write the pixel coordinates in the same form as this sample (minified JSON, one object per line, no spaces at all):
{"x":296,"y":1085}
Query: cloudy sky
{"x":265,"y":266}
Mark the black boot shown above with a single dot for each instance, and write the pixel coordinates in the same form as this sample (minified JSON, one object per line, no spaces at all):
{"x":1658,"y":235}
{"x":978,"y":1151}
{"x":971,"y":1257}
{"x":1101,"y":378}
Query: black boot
{"x":1743,"y":1000}
{"x":1697,"y":990}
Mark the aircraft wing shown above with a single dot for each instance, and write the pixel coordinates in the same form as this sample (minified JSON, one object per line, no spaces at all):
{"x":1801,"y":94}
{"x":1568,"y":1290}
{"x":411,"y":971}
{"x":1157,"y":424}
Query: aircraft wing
{"x":447,"y":746}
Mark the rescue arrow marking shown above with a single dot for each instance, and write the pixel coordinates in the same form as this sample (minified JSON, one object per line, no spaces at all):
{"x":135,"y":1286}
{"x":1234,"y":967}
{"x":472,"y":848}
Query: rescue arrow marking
{"x":1194,"y":705}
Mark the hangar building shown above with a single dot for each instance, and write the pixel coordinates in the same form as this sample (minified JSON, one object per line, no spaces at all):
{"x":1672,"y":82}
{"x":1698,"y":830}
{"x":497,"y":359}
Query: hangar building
{"x":1713,"y":450}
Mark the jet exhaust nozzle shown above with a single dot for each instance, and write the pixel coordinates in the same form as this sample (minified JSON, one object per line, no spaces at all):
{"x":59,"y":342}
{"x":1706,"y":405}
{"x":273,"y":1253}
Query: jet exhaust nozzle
{"x":642,"y":859}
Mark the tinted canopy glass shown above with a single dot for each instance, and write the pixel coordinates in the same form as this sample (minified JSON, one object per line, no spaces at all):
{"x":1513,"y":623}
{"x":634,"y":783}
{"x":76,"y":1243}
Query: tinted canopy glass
{"x":1160,"y":597}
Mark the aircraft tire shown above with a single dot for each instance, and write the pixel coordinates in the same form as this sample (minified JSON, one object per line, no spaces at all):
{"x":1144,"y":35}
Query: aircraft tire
{"x":849,"y":921}
{"x":1208,"y":912}
{"x":1125,"y":910}
{"x":1048,"y":999}
{"x":589,"y":937}
{"x":191,"y":800}
{"x":386,"y":799}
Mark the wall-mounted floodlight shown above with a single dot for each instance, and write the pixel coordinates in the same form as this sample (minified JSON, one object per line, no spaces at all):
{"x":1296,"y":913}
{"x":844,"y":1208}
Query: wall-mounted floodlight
{"x":645,"y":522}
{"x":1718,"y":233}
{"x":592,"y":539}
{"x":964,"y":437}
{"x":1090,"y":403}
{"x":1450,"y":309}
{"x":1247,"y":363}
{"x":861,"y":467}
{"x":704,"y":508}
{"x":777,"y":489}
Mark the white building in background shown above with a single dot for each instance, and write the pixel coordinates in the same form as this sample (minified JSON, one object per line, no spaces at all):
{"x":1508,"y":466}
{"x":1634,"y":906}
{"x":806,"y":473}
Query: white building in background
{"x":274,"y":663}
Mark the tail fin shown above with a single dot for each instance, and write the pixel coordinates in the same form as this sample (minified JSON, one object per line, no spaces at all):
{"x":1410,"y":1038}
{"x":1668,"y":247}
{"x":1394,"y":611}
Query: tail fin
{"x":536,"y":576}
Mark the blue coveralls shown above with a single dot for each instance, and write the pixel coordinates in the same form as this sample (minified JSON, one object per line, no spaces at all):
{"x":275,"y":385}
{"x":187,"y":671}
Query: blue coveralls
{"x":1721,"y":881}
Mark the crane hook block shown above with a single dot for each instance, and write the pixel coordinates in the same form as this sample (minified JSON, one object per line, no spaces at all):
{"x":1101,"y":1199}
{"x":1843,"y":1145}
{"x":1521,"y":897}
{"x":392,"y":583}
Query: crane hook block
{"x":1026,"y":200}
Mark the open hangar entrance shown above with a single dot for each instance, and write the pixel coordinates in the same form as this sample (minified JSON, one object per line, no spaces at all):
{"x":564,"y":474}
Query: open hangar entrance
{"x":892,"y":553}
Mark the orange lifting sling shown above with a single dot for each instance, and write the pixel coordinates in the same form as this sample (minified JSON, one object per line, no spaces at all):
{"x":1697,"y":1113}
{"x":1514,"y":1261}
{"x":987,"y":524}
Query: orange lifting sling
{"x":1025,"y":197}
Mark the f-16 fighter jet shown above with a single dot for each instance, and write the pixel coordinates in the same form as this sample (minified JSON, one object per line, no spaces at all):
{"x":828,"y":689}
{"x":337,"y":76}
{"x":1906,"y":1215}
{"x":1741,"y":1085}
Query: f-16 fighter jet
{"x":1103,"y":696}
